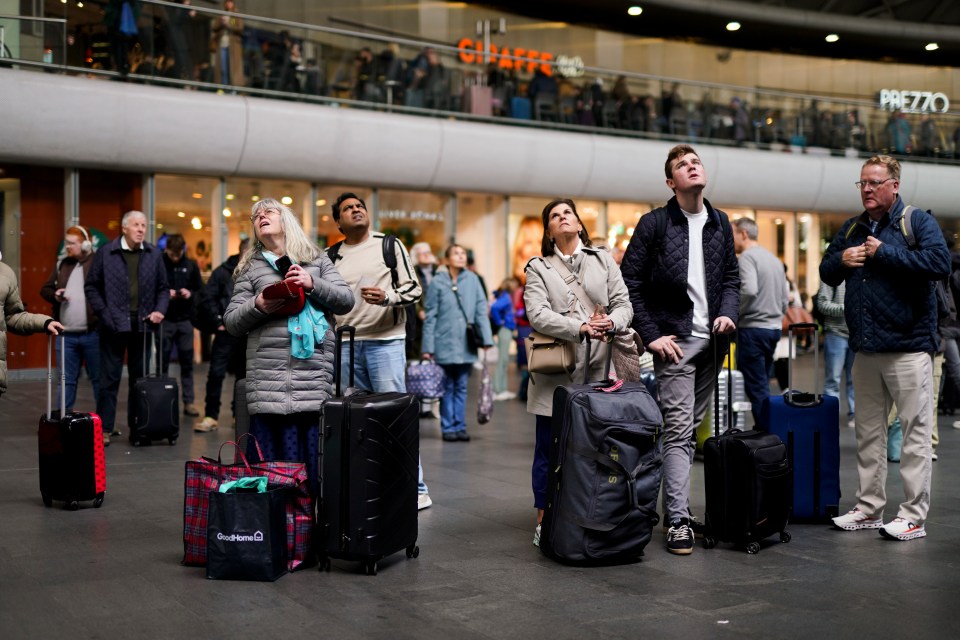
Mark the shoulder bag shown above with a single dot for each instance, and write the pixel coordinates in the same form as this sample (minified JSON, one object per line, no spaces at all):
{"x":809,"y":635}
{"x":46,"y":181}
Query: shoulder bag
{"x":474,"y":335}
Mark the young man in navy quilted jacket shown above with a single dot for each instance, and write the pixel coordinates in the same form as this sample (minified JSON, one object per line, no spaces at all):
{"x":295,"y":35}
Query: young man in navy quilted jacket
{"x":682,"y":274}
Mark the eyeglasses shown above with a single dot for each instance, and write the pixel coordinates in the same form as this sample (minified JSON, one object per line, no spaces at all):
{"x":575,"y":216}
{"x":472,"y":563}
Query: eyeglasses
{"x":263,"y":213}
{"x":873,"y":184}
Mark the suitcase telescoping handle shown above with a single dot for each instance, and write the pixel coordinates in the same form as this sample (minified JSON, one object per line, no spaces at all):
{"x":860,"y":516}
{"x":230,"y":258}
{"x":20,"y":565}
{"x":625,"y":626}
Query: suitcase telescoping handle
{"x":606,"y":364}
{"x":63,"y":375}
{"x":146,"y":339}
{"x":716,"y":393}
{"x":338,"y":350}
{"x":796,"y":398}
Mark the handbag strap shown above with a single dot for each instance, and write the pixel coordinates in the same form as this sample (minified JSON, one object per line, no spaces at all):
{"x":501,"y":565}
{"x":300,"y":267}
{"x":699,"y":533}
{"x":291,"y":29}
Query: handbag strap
{"x":570,"y":279}
{"x":456,"y":294}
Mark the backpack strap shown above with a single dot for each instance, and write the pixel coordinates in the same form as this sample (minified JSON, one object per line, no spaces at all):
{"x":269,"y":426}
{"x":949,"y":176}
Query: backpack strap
{"x":390,"y":258}
{"x":906,"y":226}
{"x":333,"y":252}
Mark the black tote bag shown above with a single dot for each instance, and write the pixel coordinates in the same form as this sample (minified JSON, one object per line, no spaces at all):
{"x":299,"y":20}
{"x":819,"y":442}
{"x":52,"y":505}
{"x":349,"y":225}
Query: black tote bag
{"x":247,"y":535}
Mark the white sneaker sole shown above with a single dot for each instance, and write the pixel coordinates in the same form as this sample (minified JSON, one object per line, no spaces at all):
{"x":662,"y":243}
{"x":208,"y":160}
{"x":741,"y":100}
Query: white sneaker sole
{"x":909,"y":535}
{"x":865,"y":524}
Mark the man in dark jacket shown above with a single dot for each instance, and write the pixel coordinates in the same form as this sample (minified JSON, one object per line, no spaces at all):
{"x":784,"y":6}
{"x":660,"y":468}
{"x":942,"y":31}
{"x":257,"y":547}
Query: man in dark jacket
{"x":64,"y":290}
{"x":227,"y":352}
{"x":682,"y":274}
{"x":891,"y":312}
{"x":183,"y":278}
{"x":126,"y":287}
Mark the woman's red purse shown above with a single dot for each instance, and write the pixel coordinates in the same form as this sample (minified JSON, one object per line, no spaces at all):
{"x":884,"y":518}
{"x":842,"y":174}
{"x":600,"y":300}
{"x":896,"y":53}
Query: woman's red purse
{"x":290,"y":292}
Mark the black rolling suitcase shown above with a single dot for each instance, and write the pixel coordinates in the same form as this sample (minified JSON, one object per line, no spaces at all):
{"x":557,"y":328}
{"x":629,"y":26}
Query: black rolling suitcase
{"x":747,"y":476}
{"x":369,"y":450}
{"x":604,"y":473}
{"x":156,"y":404}
{"x":70,"y":446}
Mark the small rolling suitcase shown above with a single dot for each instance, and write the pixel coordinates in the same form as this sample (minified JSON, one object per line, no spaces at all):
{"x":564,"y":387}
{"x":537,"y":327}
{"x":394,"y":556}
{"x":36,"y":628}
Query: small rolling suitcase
{"x":747,"y":478}
{"x":520,"y":108}
{"x":369,"y":457}
{"x":604,"y":473}
{"x":809,"y":424}
{"x":70,"y":445}
{"x":156,"y":398}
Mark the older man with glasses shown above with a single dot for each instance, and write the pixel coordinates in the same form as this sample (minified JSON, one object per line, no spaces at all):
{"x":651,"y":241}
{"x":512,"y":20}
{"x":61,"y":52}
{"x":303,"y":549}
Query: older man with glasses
{"x":891,"y":313}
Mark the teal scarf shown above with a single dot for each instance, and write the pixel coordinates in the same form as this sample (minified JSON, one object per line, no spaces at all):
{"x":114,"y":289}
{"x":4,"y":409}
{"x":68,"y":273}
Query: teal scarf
{"x":307,"y":328}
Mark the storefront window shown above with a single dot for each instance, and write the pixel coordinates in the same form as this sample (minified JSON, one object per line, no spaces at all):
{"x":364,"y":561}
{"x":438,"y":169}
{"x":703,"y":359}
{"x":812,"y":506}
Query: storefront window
{"x":525,"y":227}
{"x":622,"y":218}
{"x":481,"y":230}
{"x":416,"y":216}
{"x":187,"y":205}
{"x":328,"y":232}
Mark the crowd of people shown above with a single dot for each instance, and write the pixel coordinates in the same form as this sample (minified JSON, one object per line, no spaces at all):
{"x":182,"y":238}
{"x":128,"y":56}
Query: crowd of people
{"x":688,"y":283}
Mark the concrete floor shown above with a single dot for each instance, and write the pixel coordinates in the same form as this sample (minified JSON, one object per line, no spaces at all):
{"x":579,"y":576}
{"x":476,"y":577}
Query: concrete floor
{"x":115,"y":572}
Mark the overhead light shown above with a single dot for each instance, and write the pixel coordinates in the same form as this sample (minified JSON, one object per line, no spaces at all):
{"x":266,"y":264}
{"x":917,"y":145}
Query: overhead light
{"x":778,"y":221}
{"x":832,"y":37}
{"x":933,"y":46}
{"x":321,"y":202}
{"x":80,"y":5}
{"x":196,"y":196}
{"x":635,"y":10}
{"x":159,"y":225}
{"x":226,"y":212}
{"x":195,"y":223}
{"x":733,"y":26}
{"x":254,"y":198}
{"x":230,"y":196}
{"x":287,"y":200}
{"x":181,"y":214}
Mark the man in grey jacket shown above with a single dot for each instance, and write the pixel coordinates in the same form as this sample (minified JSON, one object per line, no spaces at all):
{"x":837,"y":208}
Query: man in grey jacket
{"x":763,"y":301}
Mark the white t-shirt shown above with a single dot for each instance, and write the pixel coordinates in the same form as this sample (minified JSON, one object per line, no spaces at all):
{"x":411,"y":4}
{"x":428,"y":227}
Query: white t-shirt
{"x":697,"y":274}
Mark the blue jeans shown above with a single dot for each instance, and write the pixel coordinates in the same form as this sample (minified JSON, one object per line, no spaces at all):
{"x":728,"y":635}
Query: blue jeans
{"x":80,"y":348}
{"x":453,"y":407}
{"x":837,"y":357}
{"x":755,"y":349}
{"x":378,"y":366}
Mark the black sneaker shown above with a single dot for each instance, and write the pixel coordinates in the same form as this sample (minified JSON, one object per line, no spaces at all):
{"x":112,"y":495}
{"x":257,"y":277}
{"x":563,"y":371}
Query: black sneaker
{"x":680,"y":537}
{"x":463,"y":436}
{"x":695,"y":524}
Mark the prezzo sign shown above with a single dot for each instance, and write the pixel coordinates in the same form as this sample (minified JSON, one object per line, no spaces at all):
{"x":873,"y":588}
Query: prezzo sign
{"x":471,"y":52}
{"x":914,"y":101}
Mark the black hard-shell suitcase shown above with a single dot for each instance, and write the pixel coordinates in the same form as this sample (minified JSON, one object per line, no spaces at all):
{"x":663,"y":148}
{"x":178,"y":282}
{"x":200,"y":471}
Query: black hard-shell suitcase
{"x":70,"y":448}
{"x":156,"y":402}
{"x":604,"y":473}
{"x":747,"y":476}
{"x":370,"y":449}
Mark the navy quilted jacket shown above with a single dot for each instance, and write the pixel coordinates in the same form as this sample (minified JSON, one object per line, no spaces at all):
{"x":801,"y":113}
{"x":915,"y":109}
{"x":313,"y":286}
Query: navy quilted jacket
{"x":890,"y":305}
{"x":656,"y":277}
{"x":108,"y":288}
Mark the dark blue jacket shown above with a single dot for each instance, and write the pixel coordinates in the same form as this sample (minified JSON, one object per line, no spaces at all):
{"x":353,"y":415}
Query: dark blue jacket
{"x":890,"y":305}
{"x":656,"y":277}
{"x":181,"y":275}
{"x":108,"y":288}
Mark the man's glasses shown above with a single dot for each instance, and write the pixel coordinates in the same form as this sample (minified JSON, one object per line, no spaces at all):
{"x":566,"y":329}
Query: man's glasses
{"x":263,"y":213}
{"x":873,"y":184}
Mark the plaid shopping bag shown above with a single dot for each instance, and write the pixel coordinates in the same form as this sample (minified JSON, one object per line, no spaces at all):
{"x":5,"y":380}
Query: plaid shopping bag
{"x":205,"y":475}
{"x":425,"y":380}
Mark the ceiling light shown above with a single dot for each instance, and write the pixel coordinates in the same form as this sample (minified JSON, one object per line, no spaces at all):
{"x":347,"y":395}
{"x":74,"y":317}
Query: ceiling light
{"x":196,"y":224}
{"x":181,"y":214}
{"x":230,"y":196}
{"x":287,"y":200}
{"x":254,"y":198}
{"x":832,"y":37}
{"x":733,"y":26}
{"x":197,"y":196}
{"x":159,"y":225}
{"x":933,"y":46}
{"x":321,"y":202}
{"x":226,"y":212}
{"x":635,"y":10}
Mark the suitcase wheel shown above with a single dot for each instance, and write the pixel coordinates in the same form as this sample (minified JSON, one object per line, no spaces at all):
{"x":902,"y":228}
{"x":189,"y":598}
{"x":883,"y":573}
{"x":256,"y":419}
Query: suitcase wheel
{"x":72,"y":505}
{"x":413,"y":551}
{"x":324,"y":565}
{"x":172,"y":441}
{"x":98,"y":501}
{"x":784,"y":537}
{"x":370,"y":568}
{"x":135,"y":442}
{"x":709,"y":542}
{"x":47,"y":501}
{"x":753,"y":547}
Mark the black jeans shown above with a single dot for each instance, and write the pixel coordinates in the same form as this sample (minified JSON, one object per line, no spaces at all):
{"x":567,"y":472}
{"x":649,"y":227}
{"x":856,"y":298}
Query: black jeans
{"x":179,"y":333}
{"x":226,"y":355}
{"x":113,"y":347}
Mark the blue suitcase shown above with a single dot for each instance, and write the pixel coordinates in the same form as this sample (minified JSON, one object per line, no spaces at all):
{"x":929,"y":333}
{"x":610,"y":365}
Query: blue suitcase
{"x":809,"y":424}
{"x":520,"y":108}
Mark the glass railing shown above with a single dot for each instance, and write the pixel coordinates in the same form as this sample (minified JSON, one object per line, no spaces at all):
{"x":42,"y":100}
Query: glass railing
{"x":215,"y":50}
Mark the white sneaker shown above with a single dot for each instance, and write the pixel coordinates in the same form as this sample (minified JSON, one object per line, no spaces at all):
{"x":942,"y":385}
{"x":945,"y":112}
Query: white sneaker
{"x":956,"y":424}
{"x":851,"y":423}
{"x":902,"y":529}
{"x":855,"y":520}
{"x":207,"y":424}
{"x":934,"y":456}
{"x":505,"y":395}
{"x":536,"y":536}
{"x":423,"y":501}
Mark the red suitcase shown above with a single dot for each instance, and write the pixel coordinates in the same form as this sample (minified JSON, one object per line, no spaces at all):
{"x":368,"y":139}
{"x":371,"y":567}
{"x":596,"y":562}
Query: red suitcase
{"x":72,"y":463}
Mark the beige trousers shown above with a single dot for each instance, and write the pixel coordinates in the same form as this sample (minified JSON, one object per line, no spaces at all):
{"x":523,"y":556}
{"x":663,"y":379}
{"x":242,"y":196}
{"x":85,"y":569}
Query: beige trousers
{"x":882,"y":380}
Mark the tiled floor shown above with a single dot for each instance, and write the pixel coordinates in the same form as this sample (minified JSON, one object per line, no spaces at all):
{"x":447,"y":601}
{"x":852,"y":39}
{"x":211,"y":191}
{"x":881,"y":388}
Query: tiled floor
{"x":115,"y":572}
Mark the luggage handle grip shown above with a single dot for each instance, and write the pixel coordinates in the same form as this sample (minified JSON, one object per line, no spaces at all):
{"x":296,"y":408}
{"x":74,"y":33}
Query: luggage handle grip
{"x":63,"y":374}
{"x":337,"y":355}
{"x":606,"y":365}
{"x":815,"y":328}
{"x":256,"y":443}
{"x":239,"y":452}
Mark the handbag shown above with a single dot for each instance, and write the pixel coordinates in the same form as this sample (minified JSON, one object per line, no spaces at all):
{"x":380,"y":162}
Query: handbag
{"x":485,"y":397}
{"x":627,"y":347}
{"x":246,"y":535}
{"x":291,"y":292}
{"x":549,"y":355}
{"x":425,"y":379}
{"x":204,"y":475}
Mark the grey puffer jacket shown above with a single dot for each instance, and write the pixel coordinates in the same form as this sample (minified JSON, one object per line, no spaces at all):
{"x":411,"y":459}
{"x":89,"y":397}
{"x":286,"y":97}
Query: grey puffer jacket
{"x":14,"y":318}
{"x":554,"y":310}
{"x":278,"y":383}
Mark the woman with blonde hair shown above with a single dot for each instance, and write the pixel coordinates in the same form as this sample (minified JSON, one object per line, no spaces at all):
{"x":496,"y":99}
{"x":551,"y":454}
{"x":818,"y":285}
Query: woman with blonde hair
{"x":289,"y":357}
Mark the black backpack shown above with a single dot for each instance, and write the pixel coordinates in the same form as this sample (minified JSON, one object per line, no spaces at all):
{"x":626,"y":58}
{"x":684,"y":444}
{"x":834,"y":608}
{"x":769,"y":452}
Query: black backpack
{"x":389,"y":258}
